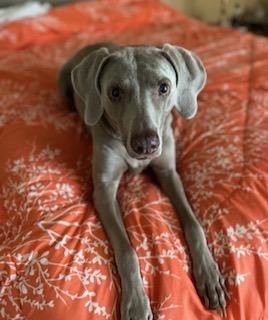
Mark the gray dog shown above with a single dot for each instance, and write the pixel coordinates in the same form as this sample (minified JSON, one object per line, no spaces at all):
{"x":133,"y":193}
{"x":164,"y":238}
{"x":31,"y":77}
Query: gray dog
{"x":125,"y":96}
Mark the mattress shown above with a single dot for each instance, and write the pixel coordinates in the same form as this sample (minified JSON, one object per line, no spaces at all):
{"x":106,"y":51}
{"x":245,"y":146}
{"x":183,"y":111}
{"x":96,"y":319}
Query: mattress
{"x":55,"y":259}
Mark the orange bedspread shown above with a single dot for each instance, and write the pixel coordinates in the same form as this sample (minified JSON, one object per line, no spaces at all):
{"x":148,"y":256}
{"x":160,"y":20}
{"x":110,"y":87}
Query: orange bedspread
{"x":55,"y":259}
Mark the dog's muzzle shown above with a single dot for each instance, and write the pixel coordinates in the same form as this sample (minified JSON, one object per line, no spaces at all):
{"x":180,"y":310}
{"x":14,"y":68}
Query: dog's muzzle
{"x":145,"y":145}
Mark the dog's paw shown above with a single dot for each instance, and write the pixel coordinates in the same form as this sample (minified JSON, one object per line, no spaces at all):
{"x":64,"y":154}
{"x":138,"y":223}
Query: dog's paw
{"x":135,"y":305}
{"x":210,"y":284}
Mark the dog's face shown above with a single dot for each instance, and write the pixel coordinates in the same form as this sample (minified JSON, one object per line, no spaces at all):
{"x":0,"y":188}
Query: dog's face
{"x":135,"y":88}
{"x":137,"y":91}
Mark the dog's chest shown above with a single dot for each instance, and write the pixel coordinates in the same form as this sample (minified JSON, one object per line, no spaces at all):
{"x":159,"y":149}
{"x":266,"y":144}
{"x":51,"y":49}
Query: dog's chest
{"x":137,"y":166}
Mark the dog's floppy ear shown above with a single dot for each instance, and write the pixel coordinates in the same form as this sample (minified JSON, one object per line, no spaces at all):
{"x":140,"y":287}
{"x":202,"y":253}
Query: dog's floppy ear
{"x":85,"y":79}
{"x":191,"y":78}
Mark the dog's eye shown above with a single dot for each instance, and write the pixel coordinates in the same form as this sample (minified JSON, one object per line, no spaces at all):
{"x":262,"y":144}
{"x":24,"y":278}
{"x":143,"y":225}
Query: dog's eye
{"x":115,"y":92}
{"x":163,"y":88}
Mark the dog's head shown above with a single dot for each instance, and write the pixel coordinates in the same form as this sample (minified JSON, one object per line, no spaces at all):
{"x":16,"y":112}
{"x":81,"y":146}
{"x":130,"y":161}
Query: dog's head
{"x":136,"y":89}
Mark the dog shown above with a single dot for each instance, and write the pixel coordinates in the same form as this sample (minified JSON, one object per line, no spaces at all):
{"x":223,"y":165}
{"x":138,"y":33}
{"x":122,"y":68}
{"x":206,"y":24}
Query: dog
{"x":125,"y":95}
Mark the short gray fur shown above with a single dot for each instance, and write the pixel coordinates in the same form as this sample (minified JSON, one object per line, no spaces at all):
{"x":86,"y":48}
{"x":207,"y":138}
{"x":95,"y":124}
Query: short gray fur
{"x":141,"y":115}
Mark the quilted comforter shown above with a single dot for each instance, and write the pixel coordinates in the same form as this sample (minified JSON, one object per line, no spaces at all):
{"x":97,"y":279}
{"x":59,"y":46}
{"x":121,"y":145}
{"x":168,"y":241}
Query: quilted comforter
{"x":55,"y":259}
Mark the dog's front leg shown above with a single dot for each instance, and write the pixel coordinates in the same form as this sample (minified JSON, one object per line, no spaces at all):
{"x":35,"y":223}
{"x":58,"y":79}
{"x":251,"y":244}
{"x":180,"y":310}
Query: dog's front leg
{"x":208,"y":280}
{"x":106,"y":174}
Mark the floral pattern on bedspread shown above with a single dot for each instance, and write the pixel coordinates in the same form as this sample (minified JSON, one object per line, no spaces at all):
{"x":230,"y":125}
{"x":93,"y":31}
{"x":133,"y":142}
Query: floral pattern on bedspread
{"x":55,"y":259}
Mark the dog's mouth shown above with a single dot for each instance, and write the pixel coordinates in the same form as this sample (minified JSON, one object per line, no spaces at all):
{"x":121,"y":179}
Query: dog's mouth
{"x":137,"y":157}
{"x":143,"y":156}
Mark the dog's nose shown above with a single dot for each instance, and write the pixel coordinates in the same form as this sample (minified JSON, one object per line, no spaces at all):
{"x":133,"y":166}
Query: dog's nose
{"x":145,"y":144}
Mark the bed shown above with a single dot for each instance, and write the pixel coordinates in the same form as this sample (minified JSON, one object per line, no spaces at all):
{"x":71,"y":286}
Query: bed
{"x":55,"y":259}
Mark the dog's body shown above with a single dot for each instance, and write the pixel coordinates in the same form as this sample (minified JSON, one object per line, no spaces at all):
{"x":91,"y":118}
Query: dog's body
{"x":125,"y":96}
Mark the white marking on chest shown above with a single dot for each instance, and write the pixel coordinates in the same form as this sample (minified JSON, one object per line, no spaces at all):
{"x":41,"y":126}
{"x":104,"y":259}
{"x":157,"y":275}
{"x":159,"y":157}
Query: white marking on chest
{"x":136,"y":166}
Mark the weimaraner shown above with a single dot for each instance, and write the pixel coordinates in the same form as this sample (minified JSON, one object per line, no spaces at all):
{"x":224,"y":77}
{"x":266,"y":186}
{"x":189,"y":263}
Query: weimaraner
{"x":125,"y":95}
